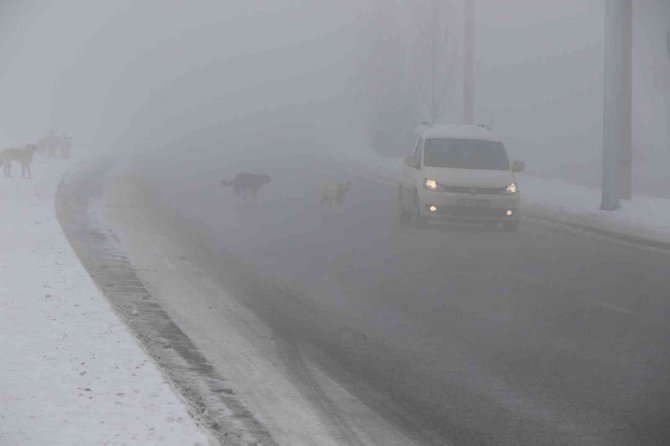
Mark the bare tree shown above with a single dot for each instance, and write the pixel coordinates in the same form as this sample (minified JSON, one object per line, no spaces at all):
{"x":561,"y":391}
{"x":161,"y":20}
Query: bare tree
{"x":386,"y":90}
{"x":434,"y":55}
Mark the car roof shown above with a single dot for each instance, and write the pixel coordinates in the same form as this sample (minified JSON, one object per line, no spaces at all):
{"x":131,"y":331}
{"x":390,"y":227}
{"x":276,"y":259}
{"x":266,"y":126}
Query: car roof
{"x":456,"y":131}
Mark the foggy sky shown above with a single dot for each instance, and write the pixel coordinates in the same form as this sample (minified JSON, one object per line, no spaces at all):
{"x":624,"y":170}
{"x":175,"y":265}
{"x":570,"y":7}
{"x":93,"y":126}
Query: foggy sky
{"x":93,"y":68}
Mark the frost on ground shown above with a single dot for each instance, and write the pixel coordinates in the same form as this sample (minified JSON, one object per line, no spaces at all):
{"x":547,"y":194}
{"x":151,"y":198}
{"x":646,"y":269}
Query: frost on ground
{"x":71,"y":373}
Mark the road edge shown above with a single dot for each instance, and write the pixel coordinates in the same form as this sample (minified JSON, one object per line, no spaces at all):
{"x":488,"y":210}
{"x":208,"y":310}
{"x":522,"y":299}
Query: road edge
{"x":219,"y":412}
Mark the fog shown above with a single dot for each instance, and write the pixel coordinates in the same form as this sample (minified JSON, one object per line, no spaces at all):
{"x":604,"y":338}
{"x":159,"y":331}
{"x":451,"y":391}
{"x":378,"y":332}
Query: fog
{"x":103,"y":71}
{"x":280,"y":200}
{"x":125,"y":61}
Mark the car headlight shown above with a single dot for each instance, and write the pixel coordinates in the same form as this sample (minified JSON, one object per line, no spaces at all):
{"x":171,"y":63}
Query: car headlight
{"x":431,"y":184}
{"x":511,"y":189}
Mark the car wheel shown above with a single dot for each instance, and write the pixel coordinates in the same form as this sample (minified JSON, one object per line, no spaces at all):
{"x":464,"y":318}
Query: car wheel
{"x":404,"y":215}
{"x":511,"y":226}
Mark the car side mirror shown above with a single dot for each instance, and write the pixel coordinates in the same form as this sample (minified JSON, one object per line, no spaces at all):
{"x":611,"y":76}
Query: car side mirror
{"x":411,"y":161}
{"x":518,"y":166}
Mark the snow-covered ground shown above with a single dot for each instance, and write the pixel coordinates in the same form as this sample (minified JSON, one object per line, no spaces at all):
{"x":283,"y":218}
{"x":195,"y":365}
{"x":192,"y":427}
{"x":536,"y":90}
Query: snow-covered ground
{"x":645,"y":218}
{"x":71,"y":373}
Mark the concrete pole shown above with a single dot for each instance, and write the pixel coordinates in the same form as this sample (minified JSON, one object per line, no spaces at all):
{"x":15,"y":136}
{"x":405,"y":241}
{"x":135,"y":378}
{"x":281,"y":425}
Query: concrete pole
{"x":469,"y":64}
{"x":626,"y":185}
{"x":616,"y":113}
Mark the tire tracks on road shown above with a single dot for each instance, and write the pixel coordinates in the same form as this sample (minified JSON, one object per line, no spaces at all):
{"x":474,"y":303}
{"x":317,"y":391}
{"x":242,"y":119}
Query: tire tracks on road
{"x":206,"y":392}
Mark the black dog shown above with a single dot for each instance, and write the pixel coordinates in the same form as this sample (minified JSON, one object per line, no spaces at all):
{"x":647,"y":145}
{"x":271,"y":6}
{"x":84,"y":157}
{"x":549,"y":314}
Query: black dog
{"x":247,"y":184}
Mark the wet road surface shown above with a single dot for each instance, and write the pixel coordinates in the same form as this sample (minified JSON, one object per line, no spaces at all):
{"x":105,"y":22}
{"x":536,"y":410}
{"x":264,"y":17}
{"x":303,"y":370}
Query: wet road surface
{"x":547,"y":336}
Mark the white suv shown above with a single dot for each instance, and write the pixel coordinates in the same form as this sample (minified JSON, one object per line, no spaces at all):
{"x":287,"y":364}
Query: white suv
{"x":459,"y":173}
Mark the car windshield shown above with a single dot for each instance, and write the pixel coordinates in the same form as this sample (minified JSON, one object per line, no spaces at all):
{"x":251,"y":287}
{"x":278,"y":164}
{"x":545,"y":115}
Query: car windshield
{"x":466,"y":154}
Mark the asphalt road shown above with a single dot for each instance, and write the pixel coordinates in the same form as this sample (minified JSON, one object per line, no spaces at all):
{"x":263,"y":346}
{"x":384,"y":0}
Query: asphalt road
{"x":548,"y":336}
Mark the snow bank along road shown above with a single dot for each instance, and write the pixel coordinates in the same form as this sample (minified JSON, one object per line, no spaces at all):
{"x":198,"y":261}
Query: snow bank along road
{"x":71,"y":373}
{"x":447,"y":335}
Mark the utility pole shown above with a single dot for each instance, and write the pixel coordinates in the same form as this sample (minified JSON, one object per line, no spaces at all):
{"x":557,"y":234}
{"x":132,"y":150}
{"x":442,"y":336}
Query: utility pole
{"x":626,"y":186}
{"x":617,"y":103}
{"x":469,"y":64}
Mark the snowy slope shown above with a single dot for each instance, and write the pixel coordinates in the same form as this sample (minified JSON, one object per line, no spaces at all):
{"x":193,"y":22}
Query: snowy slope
{"x":71,"y":373}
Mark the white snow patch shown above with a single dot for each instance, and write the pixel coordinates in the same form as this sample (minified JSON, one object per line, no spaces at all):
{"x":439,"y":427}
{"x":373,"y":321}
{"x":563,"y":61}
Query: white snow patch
{"x":565,"y":202}
{"x":71,"y":373}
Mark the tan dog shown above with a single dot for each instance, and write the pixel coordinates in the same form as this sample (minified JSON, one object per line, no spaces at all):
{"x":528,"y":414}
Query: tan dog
{"x":43,"y":146}
{"x":22,"y":156}
{"x":333,"y":194}
{"x":52,"y":143}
